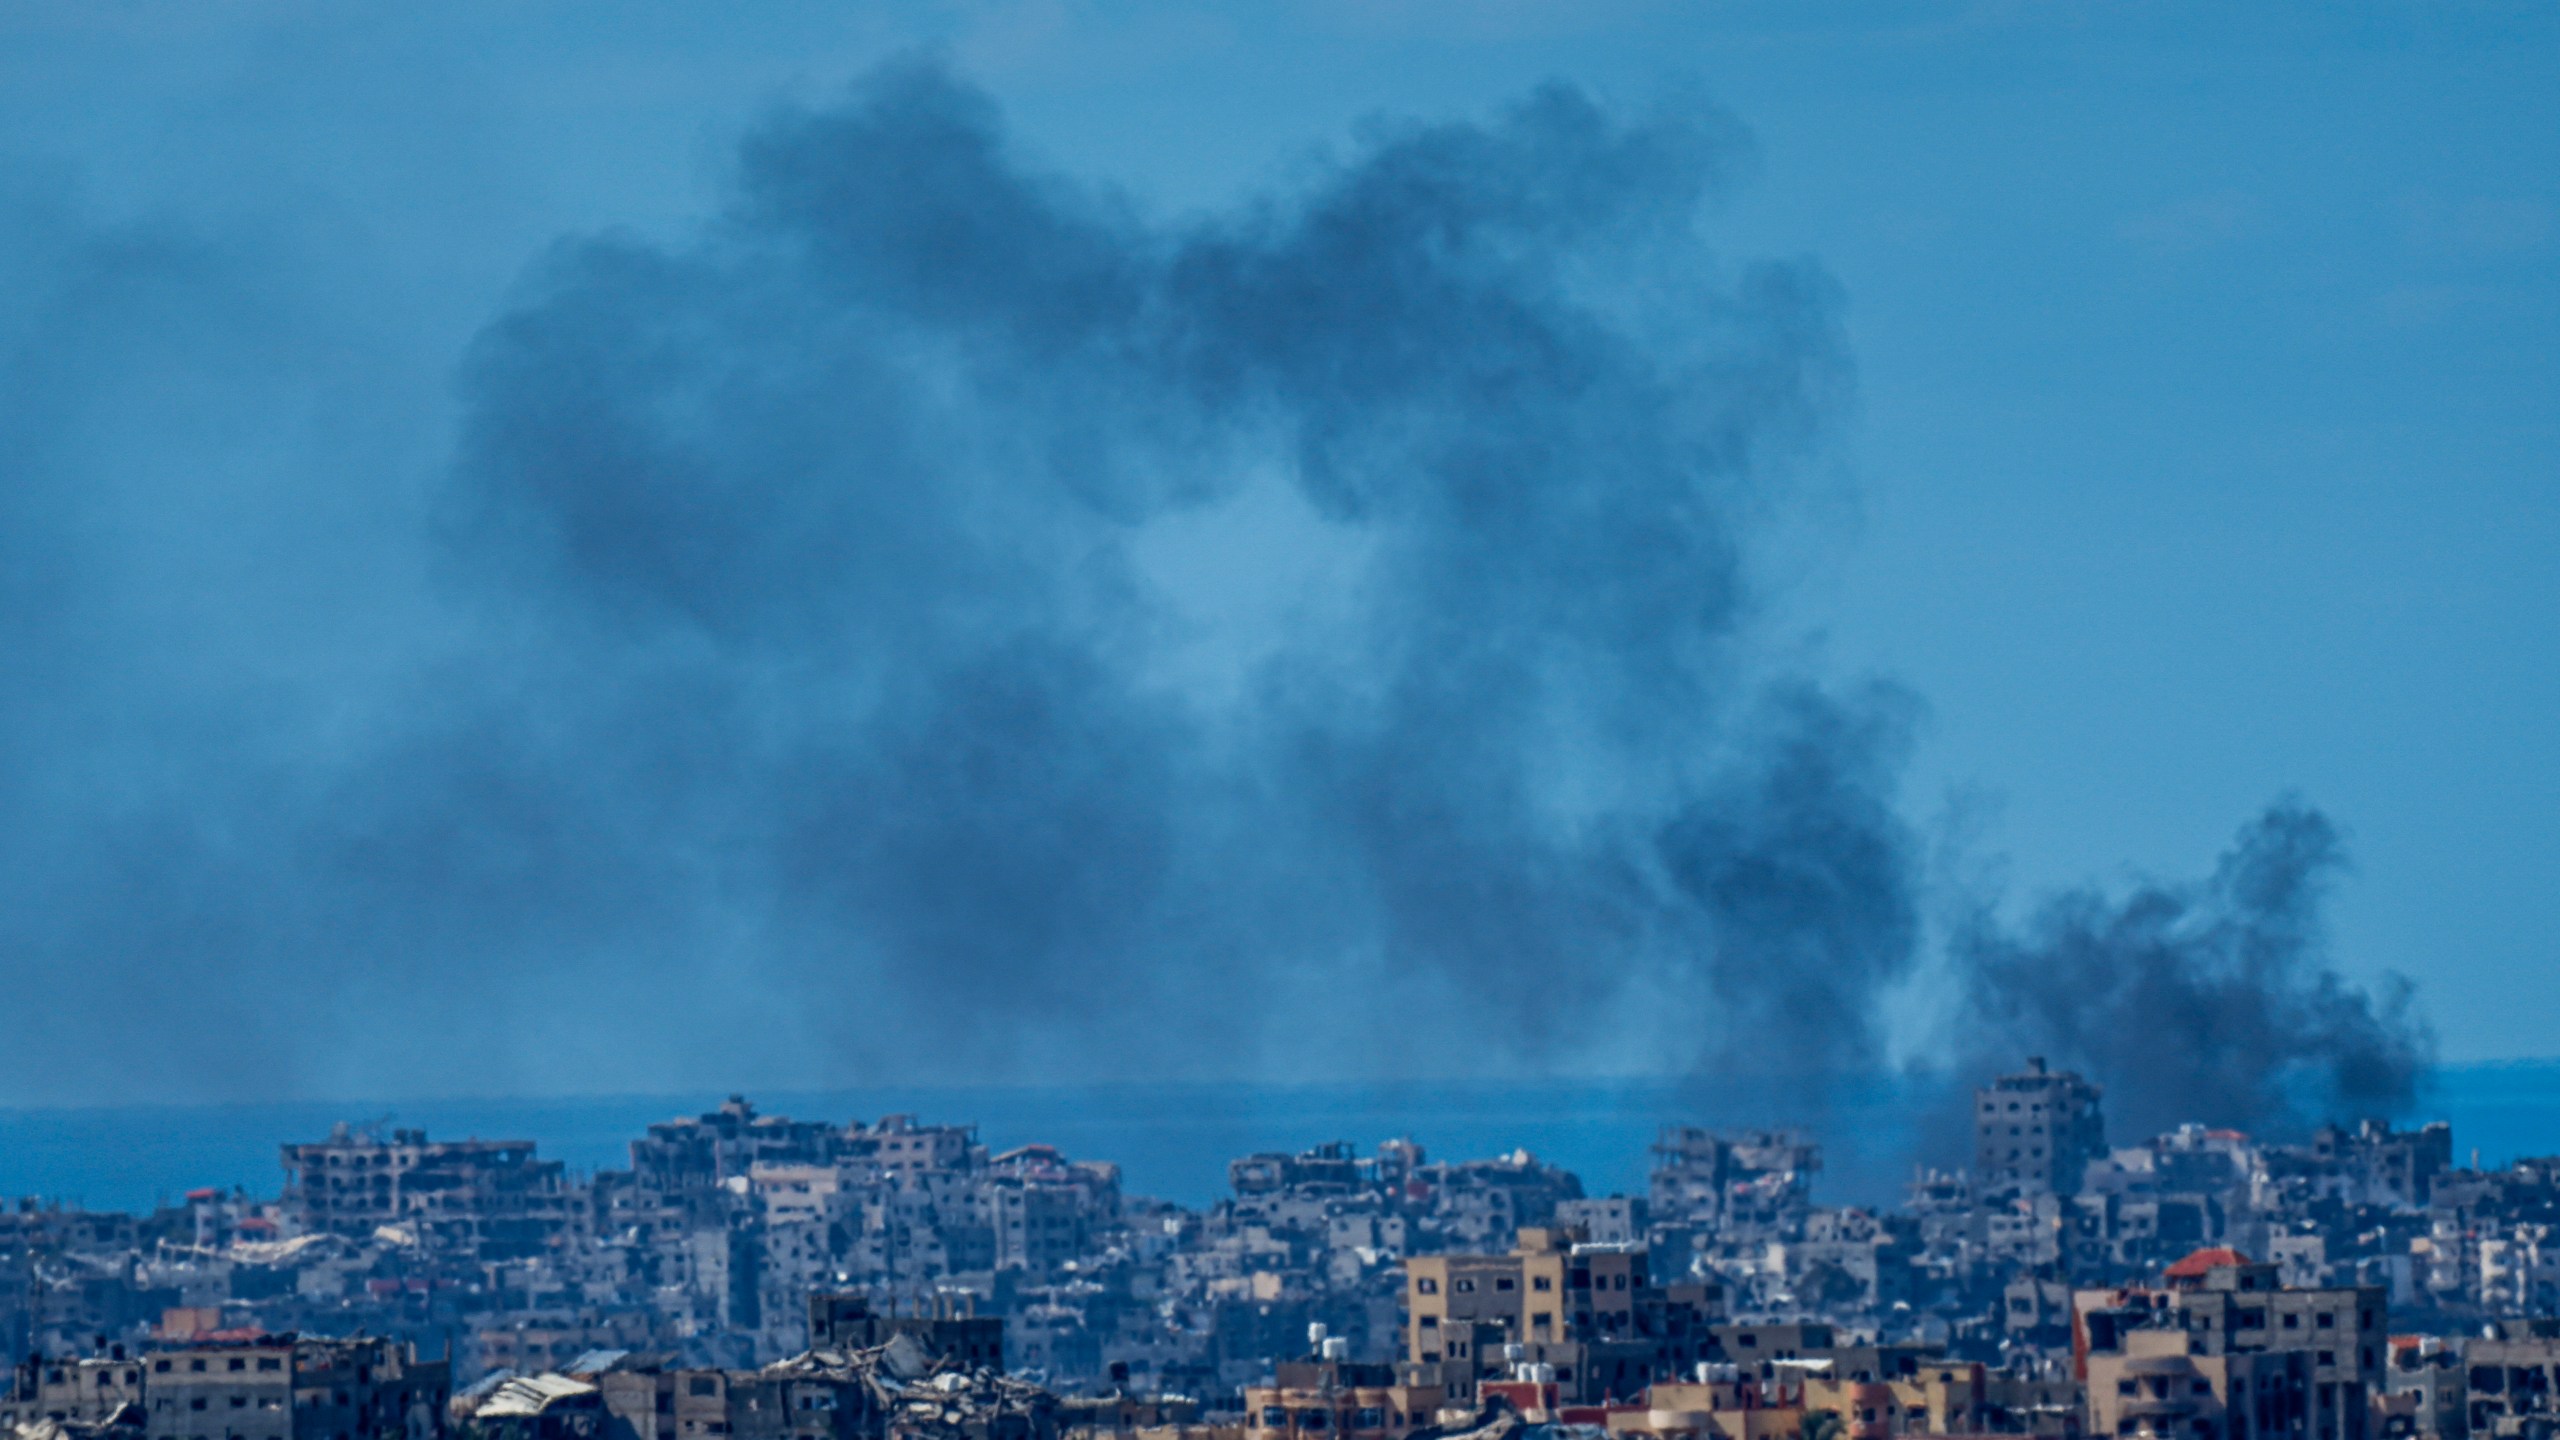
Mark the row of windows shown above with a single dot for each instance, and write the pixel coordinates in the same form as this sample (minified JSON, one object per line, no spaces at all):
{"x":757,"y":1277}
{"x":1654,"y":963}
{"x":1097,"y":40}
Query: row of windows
{"x":241,"y":1402}
{"x":196,"y":1364}
{"x":2255,"y":1318}
{"x":1426,"y":1285}
{"x":341,"y":1435}
{"x":1367,"y":1417}
{"x":2160,"y":1387}
{"x":101,"y":1375}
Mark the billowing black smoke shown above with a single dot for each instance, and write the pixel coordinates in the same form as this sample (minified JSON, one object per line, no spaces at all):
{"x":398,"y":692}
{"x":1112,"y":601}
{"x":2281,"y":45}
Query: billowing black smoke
{"x":2214,"y":1001}
{"x":1303,"y":632}
{"x":939,"y":616}
{"x":938,"y":619}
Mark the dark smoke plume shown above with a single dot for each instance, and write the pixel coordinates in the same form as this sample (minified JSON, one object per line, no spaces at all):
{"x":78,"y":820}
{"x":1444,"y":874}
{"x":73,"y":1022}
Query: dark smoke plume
{"x":938,"y":620}
{"x":2214,"y":1001}
{"x":922,"y":470}
{"x":940,"y":616}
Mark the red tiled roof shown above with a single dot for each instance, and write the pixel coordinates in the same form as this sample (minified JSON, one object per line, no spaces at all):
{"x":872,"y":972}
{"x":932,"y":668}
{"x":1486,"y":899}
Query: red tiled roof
{"x":2196,"y":1265}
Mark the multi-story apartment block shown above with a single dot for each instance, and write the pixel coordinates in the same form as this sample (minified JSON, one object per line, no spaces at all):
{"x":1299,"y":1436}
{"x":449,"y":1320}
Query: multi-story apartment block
{"x":1589,"y":1311}
{"x":2512,"y":1382}
{"x":487,"y":1198}
{"x":845,"y":1322}
{"x":2387,"y":1167}
{"x":284,"y":1387}
{"x":2161,"y":1384}
{"x":87,"y":1391}
{"x":899,"y":1145}
{"x":2035,"y":1133}
{"x":2228,"y":1305}
{"x":696,"y":1153}
{"x":1335,"y":1399}
{"x":1755,"y":1180}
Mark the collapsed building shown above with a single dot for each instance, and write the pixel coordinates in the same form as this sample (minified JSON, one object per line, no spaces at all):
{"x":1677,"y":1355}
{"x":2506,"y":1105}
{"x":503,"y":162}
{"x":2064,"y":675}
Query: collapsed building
{"x":898,"y":1389}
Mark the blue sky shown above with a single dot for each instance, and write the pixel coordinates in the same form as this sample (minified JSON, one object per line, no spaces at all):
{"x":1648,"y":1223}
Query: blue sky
{"x":2208,"y":397}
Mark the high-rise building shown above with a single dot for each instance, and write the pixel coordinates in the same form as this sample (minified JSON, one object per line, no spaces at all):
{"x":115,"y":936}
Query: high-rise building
{"x":2034,"y":1133}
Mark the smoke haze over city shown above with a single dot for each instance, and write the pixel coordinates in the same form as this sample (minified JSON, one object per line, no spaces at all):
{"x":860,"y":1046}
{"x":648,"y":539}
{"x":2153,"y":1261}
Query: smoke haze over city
{"x":925,"y":607}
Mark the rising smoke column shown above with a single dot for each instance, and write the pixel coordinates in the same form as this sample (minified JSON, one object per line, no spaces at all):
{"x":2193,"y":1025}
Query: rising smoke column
{"x":2214,"y":1000}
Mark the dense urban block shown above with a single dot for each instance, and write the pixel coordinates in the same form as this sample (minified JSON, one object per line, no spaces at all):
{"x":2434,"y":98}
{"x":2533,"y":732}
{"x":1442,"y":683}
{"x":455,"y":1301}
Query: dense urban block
{"x":751,"y":1275}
